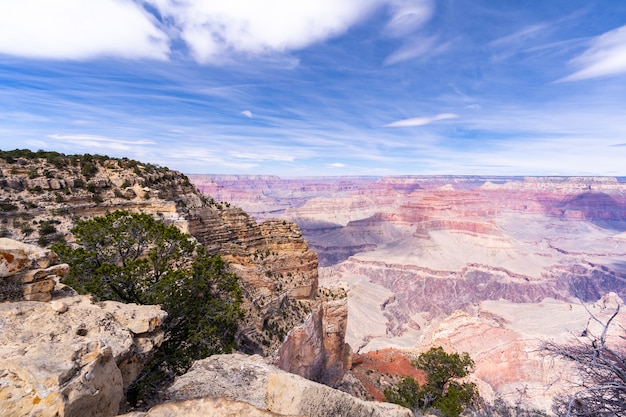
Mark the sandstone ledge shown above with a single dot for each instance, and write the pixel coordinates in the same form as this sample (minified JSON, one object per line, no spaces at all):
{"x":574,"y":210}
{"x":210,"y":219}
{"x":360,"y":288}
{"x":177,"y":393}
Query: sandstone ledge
{"x":250,"y":379}
{"x":205,"y":407}
{"x":72,"y":357}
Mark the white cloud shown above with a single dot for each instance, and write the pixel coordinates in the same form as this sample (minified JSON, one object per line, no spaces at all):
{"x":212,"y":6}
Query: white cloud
{"x":521,"y":36}
{"x":421,"y":121}
{"x":415,"y":48}
{"x":79,"y":29}
{"x":264,"y":155}
{"x":337,"y":165}
{"x":214,"y":31}
{"x":247,"y":113}
{"x":605,"y":57}
{"x":411,"y":50}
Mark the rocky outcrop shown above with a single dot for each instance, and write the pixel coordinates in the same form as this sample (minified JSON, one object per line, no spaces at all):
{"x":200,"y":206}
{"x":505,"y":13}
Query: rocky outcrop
{"x":280,"y":281}
{"x":316,"y":349}
{"x":206,"y":407}
{"x":28,"y":272}
{"x":72,"y":357}
{"x":44,"y":194}
{"x":250,"y":379}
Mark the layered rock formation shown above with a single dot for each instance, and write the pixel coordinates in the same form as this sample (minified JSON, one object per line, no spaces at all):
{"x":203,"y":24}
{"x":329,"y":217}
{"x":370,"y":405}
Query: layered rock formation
{"x":316,"y":349}
{"x":44,"y":194}
{"x":414,"y":251}
{"x":28,"y":272}
{"x":70,"y":356}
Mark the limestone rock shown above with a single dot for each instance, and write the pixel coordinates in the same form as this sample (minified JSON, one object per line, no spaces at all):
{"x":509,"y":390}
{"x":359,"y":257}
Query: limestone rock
{"x":316,"y":349}
{"x":72,"y":364}
{"x":17,"y":256}
{"x":205,"y":407}
{"x":28,"y":272}
{"x":278,"y":269}
{"x":250,"y":379}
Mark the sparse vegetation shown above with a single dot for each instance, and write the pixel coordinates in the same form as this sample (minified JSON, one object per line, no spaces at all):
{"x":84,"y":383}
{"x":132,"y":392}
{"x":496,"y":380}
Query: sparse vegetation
{"x":7,"y":205}
{"x":443,"y":391}
{"x":10,"y":291}
{"x":602,"y":371}
{"x":131,"y":257}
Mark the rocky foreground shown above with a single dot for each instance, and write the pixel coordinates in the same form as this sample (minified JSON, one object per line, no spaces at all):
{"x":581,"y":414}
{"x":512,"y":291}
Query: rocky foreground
{"x":70,"y":356}
{"x":290,"y":321}
{"x":44,"y":193}
{"x":490,"y":266}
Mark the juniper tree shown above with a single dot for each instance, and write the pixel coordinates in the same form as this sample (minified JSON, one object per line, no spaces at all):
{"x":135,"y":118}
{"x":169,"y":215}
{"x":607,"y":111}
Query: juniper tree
{"x":443,"y":390}
{"x":132,"y":258}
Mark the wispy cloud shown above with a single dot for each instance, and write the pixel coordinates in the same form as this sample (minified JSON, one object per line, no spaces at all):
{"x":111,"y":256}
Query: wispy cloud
{"x":421,"y":121}
{"x":521,"y":36}
{"x":407,"y":16}
{"x":317,"y":86}
{"x":101,"y":142}
{"x":606,"y":56}
{"x":212,"y":32}
{"x":416,"y":47}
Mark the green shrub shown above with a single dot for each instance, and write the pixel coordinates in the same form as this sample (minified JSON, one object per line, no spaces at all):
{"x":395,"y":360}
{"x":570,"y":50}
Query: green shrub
{"x":131,"y":257}
{"x":442,"y":390}
{"x":89,"y":169}
{"x":7,"y":205}
{"x":46,"y":228}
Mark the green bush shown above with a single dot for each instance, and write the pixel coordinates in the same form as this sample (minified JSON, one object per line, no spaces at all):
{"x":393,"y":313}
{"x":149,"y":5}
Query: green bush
{"x":442,"y":390}
{"x":131,"y":257}
{"x":89,"y":169}
{"x":46,"y":228}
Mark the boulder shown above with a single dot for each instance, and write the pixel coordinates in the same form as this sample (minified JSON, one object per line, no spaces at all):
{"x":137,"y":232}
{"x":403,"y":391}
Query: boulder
{"x":28,"y":272}
{"x":250,"y":379}
{"x":205,"y":407}
{"x":72,"y":357}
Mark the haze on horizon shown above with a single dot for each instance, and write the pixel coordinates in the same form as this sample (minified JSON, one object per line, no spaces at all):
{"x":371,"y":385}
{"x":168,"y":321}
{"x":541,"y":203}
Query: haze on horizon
{"x":324,"y":87}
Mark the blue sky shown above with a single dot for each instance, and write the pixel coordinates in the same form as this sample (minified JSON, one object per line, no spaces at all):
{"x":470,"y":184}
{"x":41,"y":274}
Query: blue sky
{"x":322,"y":87}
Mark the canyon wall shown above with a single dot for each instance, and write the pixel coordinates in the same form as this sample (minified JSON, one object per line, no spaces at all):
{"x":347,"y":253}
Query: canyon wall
{"x":419,"y":254}
{"x":44,"y":194}
{"x":69,"y":356}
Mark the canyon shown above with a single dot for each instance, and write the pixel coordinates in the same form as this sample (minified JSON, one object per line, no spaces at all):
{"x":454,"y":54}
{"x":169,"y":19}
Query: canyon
{"x":289,"y":320}
{"x":391,"y":265}
{"x":487,"y":265}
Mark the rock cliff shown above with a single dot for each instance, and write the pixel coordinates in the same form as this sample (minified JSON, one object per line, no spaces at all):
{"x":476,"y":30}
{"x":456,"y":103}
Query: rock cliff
{"x":45,"y":192}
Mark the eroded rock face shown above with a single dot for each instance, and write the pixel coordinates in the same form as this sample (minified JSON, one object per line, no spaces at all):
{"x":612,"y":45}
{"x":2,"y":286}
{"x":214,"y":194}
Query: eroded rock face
{"x":28,"y":272}
{"x":278,"y":269}
{"x":72,"y":357}
{"x":504,"y":340}
{"x":317,"y":349}
{"x":249,"y":379}
{"x":280,"y":281}
{"x":206,"y":407}
{"x":419,"y":252}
